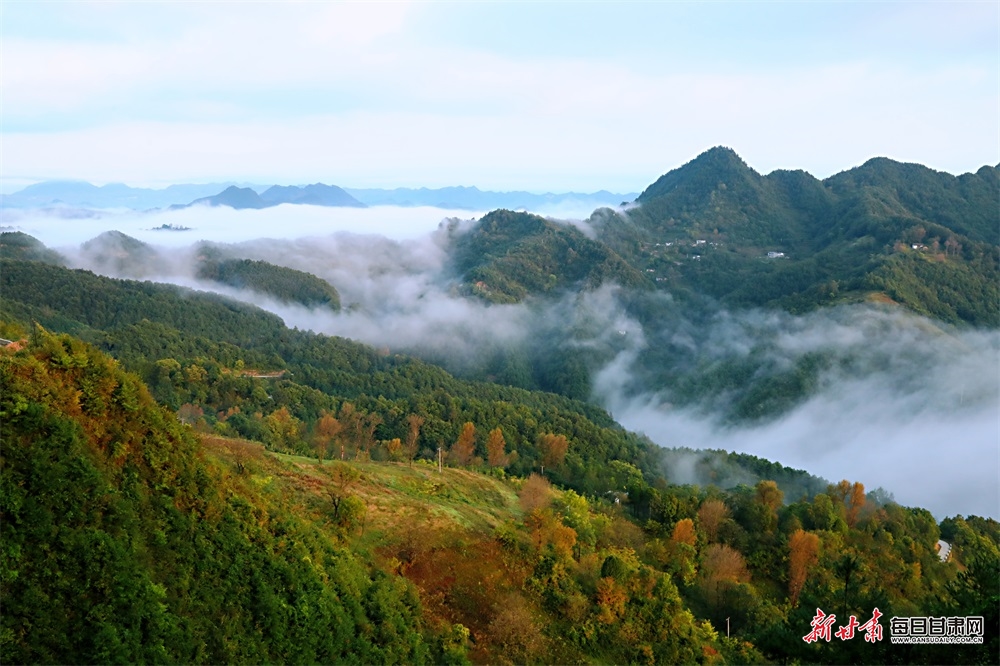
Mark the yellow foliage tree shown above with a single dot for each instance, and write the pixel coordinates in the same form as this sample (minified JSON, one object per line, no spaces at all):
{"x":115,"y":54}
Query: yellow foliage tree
{"x":553,"y":449}
{"x":465,"y":446}
{"x":710,"y":516}
{"x":803,"y":553}
{"x":857,"y":503}
{"x":327,"y":428}
{"x":536,"y":493}
{"x":611,"y":600}
{"x":684,"y":532}
{"x":496,"y":449}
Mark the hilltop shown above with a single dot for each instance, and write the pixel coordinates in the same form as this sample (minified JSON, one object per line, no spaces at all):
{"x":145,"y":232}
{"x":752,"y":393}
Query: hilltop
{"x":508,"y":255}
{"x":885,"y":230}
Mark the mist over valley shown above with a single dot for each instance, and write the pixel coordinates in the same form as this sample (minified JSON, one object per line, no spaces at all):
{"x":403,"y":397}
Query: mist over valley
{"x":499,"y":333}
{"x":848,"y":387}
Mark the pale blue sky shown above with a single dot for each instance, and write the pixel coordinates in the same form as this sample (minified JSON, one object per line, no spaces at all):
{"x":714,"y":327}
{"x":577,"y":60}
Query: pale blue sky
{"x":556,"y":96}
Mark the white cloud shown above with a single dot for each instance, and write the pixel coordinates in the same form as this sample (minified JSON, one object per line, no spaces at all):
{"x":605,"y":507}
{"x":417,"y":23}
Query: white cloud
{"x":276,"y":92}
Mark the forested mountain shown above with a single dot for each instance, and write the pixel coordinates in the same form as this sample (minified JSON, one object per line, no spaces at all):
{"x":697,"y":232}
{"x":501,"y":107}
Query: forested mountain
{"x":18,"y":245}
{"x":128,"y":536}
{"x":114,"y":253}
{"x":285,"y":284}
{"x":507,"y":255}
{"x":123,"y":542}
{"x":203,"y":350}
{"x":901,"y":232}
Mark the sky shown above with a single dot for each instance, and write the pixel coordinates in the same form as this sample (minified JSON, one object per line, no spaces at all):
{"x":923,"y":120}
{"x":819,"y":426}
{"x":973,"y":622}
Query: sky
{"x":503,"y":96}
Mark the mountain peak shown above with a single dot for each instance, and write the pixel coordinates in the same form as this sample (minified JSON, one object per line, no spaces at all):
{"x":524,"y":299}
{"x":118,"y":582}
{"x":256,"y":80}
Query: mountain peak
{"x":716,"y":165}
{"x":317,"y":194}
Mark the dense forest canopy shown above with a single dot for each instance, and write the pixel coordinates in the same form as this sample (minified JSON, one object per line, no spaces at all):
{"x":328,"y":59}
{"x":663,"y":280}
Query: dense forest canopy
{"x":130,"y":536}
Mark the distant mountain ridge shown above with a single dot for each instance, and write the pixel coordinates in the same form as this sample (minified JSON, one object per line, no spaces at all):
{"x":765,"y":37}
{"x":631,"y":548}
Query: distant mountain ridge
{"x":472,"y":198}
{"x":113,"y":195}
{"x":241,"y":196}
{"x":316,"y":194}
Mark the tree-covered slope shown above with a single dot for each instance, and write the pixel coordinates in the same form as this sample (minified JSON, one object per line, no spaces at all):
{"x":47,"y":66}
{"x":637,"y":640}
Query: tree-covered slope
{"x":116,"y":253}
{"x":125,"y":539}
{"x":122,"y":543}
{"x":120,"y":255}
{"x":19,"y":245}
{"x":507,"y":256}
{"x":202,"y":350}
{"x":285,"y":284}
{"x":927,"y":240}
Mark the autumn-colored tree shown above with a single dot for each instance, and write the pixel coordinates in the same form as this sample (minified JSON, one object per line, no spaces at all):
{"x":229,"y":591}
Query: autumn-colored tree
{"x":710,"y":516}
{"x":680,"y":556}
{"x":369,"y":422}
{"x":413,"y":421}
{"x":611,"y":600}
{"x":282,"y":428}
{"x":684,"y":532}
{"x":394,"y":448}
{"x":840,"y":492}
{"x":770,"y":495}
{"x":190,"y":414}
{"x":351,"y":425}
{"x":722,"y":565}
{"x":327,"y":428}
{"x":536,"y":493}
{"x":803,"y":554}
{"x":515,"y":633}
{"x":465,"y":446}
{"x":495,"y":449}
{"x":952,"y":246}
{"x":857,"y":503}
{"x":553,"y":449}
{"x":548,"y":530}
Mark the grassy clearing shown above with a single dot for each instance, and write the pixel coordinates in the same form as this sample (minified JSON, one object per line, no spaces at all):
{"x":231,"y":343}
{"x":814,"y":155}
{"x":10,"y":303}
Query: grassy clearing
{"x":396,"y":495}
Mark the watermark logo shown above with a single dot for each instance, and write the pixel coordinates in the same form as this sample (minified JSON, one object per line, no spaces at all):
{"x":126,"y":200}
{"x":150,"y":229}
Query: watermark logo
{"x":902,"y":629}
{"x":936,"y":629}
{"x":822,"y":625}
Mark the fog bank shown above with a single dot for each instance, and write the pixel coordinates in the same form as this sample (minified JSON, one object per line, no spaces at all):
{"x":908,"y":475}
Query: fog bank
{"x":898,"y":401}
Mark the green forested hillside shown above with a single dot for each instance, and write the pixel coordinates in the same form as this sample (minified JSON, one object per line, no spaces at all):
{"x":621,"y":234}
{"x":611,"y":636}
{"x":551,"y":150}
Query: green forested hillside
{"x":18,"y":245}
{"x":285,"y":284}
{"x":127,"y":538}
{"x":507,"y":256}
{"x":926,"y":240}
{"x":122,"y":543}
{"x":114,"y":253}
{"x":203,"y":351}
{"x":120,"y":254}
